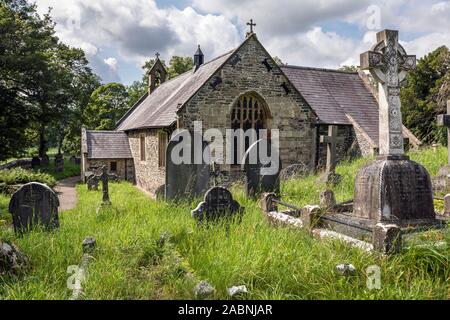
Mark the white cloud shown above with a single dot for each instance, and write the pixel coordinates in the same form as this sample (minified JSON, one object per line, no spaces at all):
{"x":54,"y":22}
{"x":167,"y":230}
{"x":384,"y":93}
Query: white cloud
{"x":136,"y":29}
{"x":282,"y":17}
{"x":112,"y":63}
{"x":321,"y":33}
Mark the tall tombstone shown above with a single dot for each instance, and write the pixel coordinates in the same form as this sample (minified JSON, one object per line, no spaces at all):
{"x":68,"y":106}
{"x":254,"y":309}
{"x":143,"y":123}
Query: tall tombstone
{"x":262,"y":176}
{"x":187,"y":169}
{"x":392,"y":189}
{"x":444,"y":121}
{"x":34,"y":204}
{"x":331,"y":140}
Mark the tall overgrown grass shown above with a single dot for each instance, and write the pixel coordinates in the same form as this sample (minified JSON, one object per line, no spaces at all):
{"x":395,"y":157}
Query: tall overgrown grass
{"x":274,"y":263}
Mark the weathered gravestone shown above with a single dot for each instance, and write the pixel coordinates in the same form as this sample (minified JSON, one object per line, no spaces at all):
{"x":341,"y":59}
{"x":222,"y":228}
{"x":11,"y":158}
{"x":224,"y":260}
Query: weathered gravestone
{"x":34,"y":204}
{"x":12,"y":261}
{"x":262,"y":165}
{"x":218,"y":203}
{"x":59,"y":163}
{"x":92,"y":182}
{"x":392,"y":190}
{"x":188,"y":166}
{"x":35,"y":162}
{"x":330,"y":176}
{"x":442,"y":181}
{"x":295,"y":171}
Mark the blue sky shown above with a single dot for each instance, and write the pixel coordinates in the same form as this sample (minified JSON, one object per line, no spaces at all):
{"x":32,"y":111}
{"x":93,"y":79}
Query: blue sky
{"x":119,"y":35}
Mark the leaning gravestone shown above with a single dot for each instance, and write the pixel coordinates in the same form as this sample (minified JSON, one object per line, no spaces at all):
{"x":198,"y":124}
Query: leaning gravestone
{"x":261,"y":171}
{"x":34,"y":204}
{"x":219,"y":203}
{"x":187,"y":170}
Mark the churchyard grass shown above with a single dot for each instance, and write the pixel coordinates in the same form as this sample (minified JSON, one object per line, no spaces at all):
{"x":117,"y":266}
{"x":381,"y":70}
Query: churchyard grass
{"x":274,"y":263}
{"x":5,"y":216}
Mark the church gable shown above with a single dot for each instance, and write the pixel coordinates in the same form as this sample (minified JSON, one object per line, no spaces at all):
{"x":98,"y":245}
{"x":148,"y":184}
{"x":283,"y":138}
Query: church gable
{"x":250,"y":75}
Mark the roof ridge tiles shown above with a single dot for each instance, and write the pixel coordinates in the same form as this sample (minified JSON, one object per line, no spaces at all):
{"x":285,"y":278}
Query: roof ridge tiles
{"x":319,"y":69}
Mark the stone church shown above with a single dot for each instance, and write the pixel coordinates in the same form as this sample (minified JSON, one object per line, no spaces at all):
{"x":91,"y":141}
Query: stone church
{"x":243,"y":88}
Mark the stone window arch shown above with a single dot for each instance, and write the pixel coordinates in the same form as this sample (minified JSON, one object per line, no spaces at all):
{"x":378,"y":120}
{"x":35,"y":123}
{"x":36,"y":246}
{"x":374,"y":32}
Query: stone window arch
{"x":250,"y":111}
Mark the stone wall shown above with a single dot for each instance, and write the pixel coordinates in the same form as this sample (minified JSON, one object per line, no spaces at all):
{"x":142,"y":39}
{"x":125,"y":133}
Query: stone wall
{"x":290,"y":113}
{"x":149,"y":176}
{"x":125,"y":168}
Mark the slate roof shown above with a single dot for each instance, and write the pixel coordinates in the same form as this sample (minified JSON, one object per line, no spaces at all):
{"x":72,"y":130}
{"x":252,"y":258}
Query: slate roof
{"x":336,"y":96}
{"x":108,"y":145}
{"x":158,"y":110}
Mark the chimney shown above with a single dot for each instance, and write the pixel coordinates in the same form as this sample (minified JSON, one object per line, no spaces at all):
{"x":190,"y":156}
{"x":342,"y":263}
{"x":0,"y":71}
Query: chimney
{"x":199,"y":58}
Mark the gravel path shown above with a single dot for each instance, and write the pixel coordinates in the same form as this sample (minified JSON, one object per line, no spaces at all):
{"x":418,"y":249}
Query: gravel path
{"x":67,"y":194}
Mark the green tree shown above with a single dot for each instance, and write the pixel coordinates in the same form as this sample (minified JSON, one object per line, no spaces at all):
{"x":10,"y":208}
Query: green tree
{"x":42,"y":81}
{"x":349,"y":68}
{"x":423,"y":96}
{"x":85,"y":84}
{"x":106,"y":107}
{"x":25,"y":39}
{"x":135,"y":91}
{"x":179,"y":65}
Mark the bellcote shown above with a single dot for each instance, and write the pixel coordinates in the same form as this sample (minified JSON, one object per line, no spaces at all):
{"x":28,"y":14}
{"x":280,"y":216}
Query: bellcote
{"x":157,"y":75}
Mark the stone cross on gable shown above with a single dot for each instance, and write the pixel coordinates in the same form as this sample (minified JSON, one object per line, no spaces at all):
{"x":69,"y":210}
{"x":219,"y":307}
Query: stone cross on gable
{"x":389,"y":64}
{"x":444,"y":121}
{"x":251,"y":25}
{"x":157,"y":54}
{"x":331,"y":140}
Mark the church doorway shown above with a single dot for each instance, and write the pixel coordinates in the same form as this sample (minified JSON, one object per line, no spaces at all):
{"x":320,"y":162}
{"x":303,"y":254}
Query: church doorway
{"x":250,"y":111}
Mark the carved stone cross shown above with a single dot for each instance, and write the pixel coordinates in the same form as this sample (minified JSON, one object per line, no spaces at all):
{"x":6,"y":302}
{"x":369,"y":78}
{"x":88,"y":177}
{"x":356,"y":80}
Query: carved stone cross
{"x":331,"y":140}
{"x":444,"y":121}
{"x":157,"y":54}
{"x":251,"y":25}
{"x":388,"y":63}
